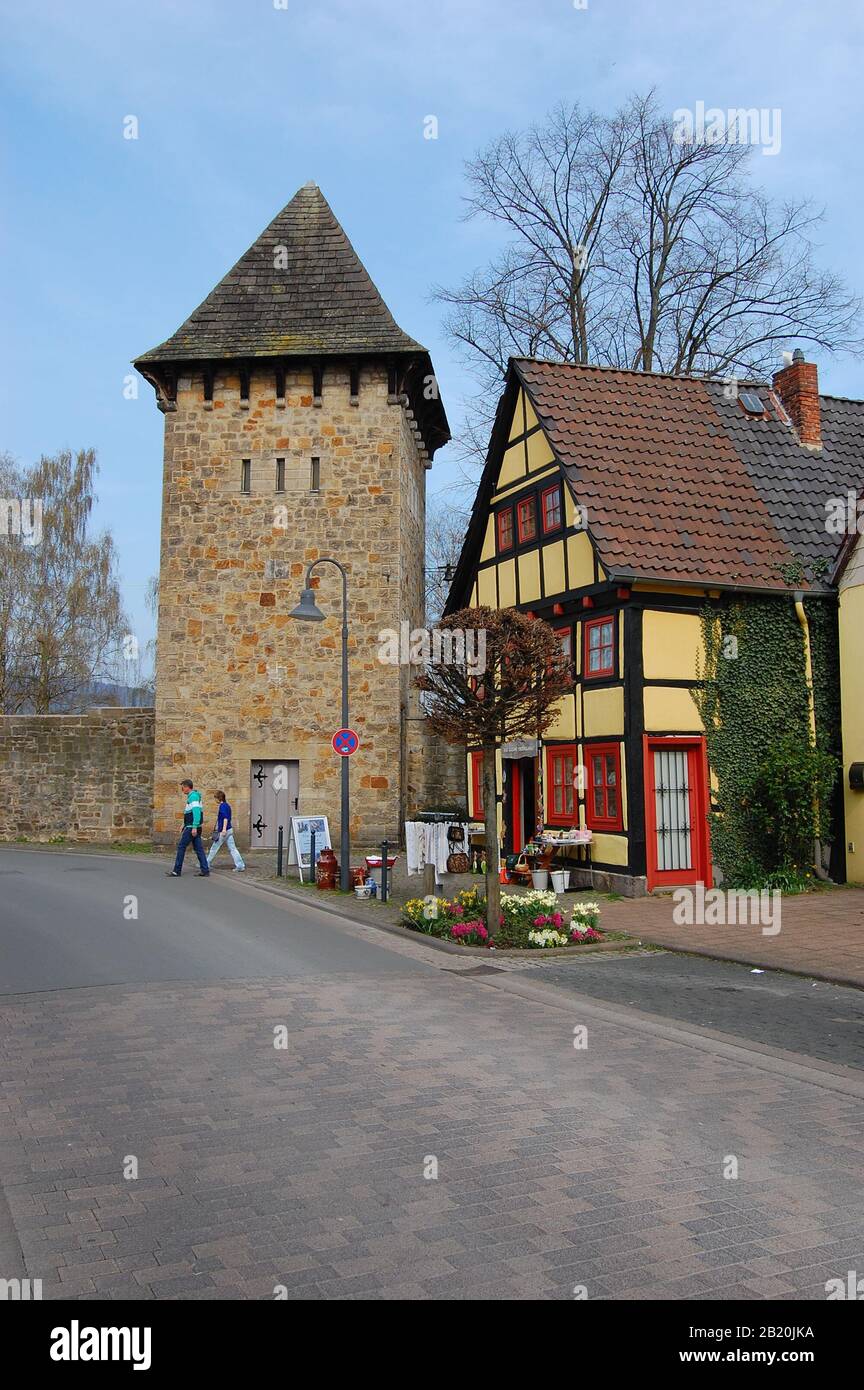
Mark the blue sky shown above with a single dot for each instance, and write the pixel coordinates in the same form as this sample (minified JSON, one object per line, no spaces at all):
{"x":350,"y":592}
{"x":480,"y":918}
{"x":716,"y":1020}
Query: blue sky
{"x":107,"y":244}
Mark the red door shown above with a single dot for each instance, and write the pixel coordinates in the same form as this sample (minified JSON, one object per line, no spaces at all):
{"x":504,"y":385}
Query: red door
{"x":676,"y":811}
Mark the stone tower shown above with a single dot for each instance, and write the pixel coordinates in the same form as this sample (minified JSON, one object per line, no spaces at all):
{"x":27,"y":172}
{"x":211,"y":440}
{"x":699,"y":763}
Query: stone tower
{"x":299,"y":422}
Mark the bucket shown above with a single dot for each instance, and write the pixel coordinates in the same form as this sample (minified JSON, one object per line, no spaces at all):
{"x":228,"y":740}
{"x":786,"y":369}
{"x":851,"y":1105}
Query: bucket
{"x":363,"y":890}
{"x":560,"y":880}
{"x":540,"y":878}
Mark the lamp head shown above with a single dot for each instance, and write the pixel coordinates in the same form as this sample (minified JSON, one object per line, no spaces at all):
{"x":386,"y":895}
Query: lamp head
{"x":307,"y":609}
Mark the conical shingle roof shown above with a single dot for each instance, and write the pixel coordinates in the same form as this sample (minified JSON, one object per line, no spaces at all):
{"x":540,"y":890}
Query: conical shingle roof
{"x":300,"y":289}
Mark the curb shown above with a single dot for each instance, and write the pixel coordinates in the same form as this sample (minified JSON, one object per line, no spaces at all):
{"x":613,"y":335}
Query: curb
{"x":435,"y":942}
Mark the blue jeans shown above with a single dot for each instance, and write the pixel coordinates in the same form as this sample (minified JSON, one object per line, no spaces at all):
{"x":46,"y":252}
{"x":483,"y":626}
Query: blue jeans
{"x":235,"y":853}
{"x":183,"y":844}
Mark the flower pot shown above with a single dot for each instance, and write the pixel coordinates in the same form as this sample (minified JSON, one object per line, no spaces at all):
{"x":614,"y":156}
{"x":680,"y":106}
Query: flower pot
{"x":560,"y":880}
{"x":540,"y":878}
{"x":363,"y":890}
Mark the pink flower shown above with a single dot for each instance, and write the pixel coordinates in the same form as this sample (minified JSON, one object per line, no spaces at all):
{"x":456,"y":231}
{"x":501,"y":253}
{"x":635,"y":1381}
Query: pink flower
{"x":557,"y":919}
{"x":541,"y":921}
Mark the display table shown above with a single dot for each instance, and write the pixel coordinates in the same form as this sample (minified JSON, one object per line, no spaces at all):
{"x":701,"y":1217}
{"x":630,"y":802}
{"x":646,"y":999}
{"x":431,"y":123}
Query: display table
{"x":579,"y":840}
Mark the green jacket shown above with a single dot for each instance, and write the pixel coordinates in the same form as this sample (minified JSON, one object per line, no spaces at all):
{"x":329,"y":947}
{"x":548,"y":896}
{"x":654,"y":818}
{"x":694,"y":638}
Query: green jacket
{"x":193,"y":811}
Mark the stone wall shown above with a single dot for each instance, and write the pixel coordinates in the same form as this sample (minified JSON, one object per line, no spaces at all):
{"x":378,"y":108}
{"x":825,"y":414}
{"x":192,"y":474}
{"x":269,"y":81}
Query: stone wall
{"x":436,"y":772}
{"x":80,"y":776}
{"x":238,"y":680}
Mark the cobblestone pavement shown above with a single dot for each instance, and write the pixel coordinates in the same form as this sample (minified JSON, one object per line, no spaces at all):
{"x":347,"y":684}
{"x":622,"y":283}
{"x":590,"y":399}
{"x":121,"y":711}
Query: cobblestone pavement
{"x":303,"y":1166}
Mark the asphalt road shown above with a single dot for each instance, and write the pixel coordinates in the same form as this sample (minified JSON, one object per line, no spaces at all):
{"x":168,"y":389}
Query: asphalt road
{"x":809,"y":1017}
{"x":65,"y":924}
{"x":316,"y":1107}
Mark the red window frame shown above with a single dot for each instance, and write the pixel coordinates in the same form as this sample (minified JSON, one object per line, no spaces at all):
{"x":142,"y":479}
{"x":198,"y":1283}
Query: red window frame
{"x":605,"y":670}
{"x":605,"y":819}
{"x":567,"y":755}
{"x":566,"y":634}
{"x":544,"y":508}
{"x":528,"y":506}
{"x":477,"y":785}
{"x":504,"y":544}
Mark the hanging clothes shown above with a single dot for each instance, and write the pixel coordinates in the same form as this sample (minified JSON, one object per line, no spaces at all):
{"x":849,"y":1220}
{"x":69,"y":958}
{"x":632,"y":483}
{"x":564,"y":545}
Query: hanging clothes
{"x":416,"y":851}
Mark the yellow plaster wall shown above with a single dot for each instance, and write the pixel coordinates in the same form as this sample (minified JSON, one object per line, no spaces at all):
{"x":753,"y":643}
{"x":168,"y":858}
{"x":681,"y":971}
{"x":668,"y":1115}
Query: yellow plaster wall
{"x":604,"y":711}
{"x":852,"y":704}
{"x":488,"y":550}
{"x":580,"y":560}
{"x":671,"y":643}
{"x":504,"y":492}
{"x":512,"y":465}
{"x":517,"y":424}
{"x":607,"y":848}
{"x":565,"y":722}
{"x":486,"y":596}
{"x":553,"y":567}
{"x":670,"y":709}
{"x":529,"y":576}
{"x":507,"y":584}
{"x":539,"y":453}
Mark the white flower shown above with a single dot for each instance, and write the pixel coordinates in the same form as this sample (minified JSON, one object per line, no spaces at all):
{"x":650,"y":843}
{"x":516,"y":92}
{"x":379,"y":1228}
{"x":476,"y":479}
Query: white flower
{"x":547,"y":937}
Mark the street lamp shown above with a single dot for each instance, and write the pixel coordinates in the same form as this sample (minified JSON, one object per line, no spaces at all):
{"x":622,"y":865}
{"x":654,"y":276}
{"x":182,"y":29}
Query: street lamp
{"x":308,"y":611}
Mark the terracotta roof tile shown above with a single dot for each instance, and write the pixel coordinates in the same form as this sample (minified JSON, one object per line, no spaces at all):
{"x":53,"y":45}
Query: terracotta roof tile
{"x":680,"y":483}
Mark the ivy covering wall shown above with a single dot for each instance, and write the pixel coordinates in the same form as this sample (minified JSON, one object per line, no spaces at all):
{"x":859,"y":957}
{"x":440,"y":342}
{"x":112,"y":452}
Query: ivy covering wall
{"x":754,"y":705}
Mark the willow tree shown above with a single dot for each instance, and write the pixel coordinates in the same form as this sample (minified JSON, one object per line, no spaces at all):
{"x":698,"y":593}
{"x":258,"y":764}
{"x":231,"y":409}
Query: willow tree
{"x":493,"y":675}
{"x":61,"y":616}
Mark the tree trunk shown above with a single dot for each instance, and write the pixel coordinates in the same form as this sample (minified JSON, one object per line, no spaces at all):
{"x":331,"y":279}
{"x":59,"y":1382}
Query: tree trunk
{"x":490,"y":815}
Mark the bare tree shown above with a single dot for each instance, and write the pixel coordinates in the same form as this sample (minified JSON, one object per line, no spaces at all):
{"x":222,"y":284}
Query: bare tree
{"x":67,"y":622}
{"x":445,"y":533}
{"x":629,"y":247}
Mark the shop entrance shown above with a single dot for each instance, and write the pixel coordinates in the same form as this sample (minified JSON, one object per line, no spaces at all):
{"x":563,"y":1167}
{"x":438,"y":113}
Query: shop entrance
{"x":520,"y":802}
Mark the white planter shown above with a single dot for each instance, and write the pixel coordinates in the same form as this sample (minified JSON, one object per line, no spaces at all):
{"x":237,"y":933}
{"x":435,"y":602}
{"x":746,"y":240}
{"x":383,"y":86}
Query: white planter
{"x":540,"y":878}
{"x":362,"y":890}
{"x":560,"y":880}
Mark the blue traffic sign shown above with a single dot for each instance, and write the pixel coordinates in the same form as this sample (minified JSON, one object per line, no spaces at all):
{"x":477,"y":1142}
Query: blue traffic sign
{"x":345,"y":742}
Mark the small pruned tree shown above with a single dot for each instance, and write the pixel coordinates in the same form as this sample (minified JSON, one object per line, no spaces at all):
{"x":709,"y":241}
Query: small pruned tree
{"x":497,"y":676}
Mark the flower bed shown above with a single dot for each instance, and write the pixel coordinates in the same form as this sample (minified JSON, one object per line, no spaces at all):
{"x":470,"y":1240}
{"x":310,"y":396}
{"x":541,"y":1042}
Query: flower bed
{"x":528,"y":921}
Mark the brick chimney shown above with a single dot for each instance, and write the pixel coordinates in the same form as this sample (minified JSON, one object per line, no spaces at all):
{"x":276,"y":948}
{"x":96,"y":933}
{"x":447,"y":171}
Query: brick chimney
{"x":798,"y":388}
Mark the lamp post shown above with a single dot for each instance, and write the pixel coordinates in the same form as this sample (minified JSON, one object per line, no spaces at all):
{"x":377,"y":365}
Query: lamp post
{"x":308,"y":611}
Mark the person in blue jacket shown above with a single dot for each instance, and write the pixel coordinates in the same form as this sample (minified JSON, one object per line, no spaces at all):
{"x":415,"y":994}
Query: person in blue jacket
{"x":224,"y":835}
{"x":193,"y":819}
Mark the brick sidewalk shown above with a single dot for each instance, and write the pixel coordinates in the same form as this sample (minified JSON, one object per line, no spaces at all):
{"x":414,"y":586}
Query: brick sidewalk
{"x":822,"y":934}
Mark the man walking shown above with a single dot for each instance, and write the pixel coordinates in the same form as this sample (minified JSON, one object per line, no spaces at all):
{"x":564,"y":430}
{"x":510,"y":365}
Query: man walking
{"x":193,"y":818}
{"x":224,"y":835}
